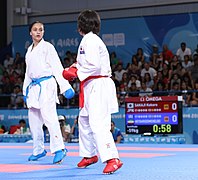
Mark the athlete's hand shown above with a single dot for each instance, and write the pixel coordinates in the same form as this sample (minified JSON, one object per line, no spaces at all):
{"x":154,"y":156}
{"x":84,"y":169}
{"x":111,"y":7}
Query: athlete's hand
{"x":69,"y":93}
{"x":70,"y":73}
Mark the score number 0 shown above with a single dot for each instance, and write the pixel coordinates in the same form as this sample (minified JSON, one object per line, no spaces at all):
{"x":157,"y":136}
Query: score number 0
{"x":163,"y":128}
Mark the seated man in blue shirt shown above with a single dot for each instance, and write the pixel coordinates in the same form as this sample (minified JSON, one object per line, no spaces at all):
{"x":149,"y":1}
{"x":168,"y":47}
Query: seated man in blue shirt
{"x":117,"y":135}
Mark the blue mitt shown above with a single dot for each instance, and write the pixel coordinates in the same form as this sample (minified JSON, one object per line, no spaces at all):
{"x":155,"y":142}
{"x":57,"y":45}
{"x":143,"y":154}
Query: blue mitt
{"x":69,"y":93}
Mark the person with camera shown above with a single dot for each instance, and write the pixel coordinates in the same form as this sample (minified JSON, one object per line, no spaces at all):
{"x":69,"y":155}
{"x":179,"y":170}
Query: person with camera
{"x":65,"y":128}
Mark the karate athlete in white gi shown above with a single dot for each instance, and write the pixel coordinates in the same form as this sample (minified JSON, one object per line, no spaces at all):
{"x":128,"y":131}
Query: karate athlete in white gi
{"x":100,"y":100}
{"x":43,"y":72}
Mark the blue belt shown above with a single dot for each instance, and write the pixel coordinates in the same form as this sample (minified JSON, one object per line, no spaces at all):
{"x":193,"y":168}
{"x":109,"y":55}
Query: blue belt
{"x":37,"y":81}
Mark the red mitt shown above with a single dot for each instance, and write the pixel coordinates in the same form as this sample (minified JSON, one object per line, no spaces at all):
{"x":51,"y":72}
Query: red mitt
{"x":70,"y":73}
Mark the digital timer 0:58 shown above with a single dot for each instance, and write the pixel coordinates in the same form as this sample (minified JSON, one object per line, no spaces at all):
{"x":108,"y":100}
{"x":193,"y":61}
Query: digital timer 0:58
{"x":163,"y":128}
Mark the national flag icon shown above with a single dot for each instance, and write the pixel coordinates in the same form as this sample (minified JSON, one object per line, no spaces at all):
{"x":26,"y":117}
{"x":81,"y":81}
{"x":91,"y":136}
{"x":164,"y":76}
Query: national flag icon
{"x":166,"y":119}
{"x":166,"y":106}
{"x":130,"y":122}
{"x":82,"y":50}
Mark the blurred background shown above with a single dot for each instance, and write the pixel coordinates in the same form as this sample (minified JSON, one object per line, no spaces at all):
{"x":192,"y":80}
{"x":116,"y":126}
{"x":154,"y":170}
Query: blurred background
{"x":144,"y":39}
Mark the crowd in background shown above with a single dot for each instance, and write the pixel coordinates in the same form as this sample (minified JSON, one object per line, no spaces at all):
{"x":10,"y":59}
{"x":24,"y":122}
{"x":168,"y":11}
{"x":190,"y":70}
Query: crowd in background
{"x":162,"y":73}
{"x":159,"y":73}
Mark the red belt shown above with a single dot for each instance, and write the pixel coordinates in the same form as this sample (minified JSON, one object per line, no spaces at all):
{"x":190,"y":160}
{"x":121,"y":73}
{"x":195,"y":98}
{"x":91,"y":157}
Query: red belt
{"x":81,"y":95}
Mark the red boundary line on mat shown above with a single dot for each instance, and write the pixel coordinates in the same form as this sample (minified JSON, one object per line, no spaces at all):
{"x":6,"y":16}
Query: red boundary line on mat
{"x":16,"y":168}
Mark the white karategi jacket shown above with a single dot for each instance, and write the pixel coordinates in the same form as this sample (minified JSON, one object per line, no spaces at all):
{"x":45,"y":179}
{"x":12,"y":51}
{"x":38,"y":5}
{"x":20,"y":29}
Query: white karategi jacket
{"x":42,"y":61}
{"x":96,"y":63}
{"x":100,"y":99}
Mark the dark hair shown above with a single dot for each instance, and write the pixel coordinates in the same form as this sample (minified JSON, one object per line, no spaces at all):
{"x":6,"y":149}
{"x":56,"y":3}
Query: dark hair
{"x":113,"y":122}
{"x":88,"y":21}
{"x":31,"y":25}
{"x":22,"y":121}
{"x":183,"y":44}
{"x":16,"y":86}
{"x":133,"y":84}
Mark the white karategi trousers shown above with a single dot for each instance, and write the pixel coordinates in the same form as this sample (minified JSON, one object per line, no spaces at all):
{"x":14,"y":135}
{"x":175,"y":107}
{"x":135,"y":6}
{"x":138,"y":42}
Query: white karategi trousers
{"x":100,"y":101}
{"x":47,"y":115}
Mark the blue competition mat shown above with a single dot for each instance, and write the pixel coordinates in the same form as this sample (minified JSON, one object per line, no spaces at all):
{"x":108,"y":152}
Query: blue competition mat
{"x":141,"y":162}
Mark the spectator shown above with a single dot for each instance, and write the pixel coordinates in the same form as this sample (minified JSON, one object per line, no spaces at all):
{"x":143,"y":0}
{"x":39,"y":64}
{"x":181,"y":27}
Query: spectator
{"x":159,"y":90}
{"x":188,"y":80}
{"x":66,"y":62}
{"x":187,"y":96}
{"x":167,"y":54}
{"x":175,"y":90}
{"x":148,"y":81}
{"x":18,"y":59}
{"x":182,"y":51}
{"x":119,"y":72}
{"x":175,"y":78}
{"x":195,"y":51}
{"x":166,"y":73}
{"x":19,"y":81}
{"x":13,"y":77}
{"x":133,"y":70}
{"x":193,"y":70}
{"x":116,"y":133}
{"x":148,"y":69}
{"x":65,"y":128}
{"x":179,"y":69}
{"x":124,"y":81}
{"x":195,"y":94}
{"x":154,"y":52}
{"x":75,"y":131}
{"x":145,"y":91}
{"x":16,"y":98}
{"x":70,"y":56}
{"x":8,"y":61}
{"x":7,"y":84}
{"x":10,"y":69}
{"x":19,"y":69}
{"x":174,"y":62}
{"x":134,"y":61}
{"x":159,"y":78}
{"x":156,"y":61}
{"x":2,"y":129}
{"x":133,"y":90}
{"x":187,"y":63}
{"x":113,"y":60}
{"x":135,"y":80}
{"x":140,"y":57}
{"x":22,"y":129}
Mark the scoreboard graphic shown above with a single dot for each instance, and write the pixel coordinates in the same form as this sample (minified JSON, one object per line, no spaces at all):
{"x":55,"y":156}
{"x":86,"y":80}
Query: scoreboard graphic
{"x":155,"y":115}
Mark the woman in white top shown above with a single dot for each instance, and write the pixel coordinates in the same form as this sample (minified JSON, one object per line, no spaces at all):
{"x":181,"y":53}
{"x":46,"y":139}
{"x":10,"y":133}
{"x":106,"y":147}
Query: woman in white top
{"x":43,"y":70}
{"x":100,"y":100}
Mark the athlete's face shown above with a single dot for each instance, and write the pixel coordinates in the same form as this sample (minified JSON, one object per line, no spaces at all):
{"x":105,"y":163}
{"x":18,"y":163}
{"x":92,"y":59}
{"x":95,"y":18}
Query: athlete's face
{"x":37,"y":32}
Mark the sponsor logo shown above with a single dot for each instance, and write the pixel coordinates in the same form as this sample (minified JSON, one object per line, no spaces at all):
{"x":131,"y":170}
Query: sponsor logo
{"x":166,"y":106}
{"x":142,"y":99}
